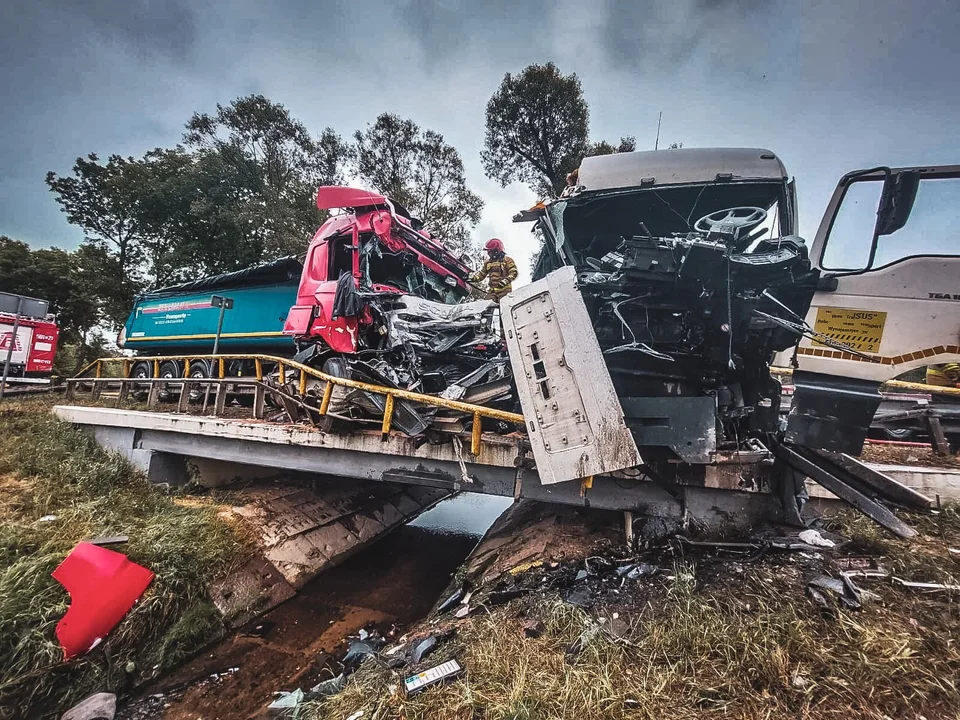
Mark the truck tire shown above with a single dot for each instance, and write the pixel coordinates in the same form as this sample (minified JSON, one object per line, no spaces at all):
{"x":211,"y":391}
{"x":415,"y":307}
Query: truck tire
{"x":142,"y":370}
{"x":169,"y":369}
{"x":198,"y":369}
{"x":336,"y":366}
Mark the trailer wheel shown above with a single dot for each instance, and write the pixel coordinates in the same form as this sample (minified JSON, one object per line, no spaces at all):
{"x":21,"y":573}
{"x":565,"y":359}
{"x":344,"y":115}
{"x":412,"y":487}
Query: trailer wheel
{"x":142,"y":371}
{"x":198,"y":370}
{"x":169,"y":369}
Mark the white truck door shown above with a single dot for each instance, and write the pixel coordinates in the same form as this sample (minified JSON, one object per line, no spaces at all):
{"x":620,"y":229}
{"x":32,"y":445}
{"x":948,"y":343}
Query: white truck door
{"x":889,"y":252}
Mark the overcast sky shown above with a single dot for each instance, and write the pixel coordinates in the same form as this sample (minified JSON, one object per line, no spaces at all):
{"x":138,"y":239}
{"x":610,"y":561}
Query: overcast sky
{"x":830,"y":86}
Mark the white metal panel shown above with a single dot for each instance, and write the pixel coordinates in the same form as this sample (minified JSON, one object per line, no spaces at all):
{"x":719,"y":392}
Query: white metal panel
{"x":678,"y":167}
{"x":920,"y":298}
{"x":21,"y":348}
{"x":574,"y":419}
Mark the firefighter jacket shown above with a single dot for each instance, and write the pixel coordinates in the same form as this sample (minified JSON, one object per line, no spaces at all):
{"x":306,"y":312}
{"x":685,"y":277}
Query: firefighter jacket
{"x":500,"y":275}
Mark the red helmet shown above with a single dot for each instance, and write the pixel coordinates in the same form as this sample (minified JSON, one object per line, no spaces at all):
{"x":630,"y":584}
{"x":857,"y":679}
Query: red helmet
{"x":494,"y":244}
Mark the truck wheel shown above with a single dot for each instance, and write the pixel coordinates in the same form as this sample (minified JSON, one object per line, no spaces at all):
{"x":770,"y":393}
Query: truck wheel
{"x":169,"y":369}
{"x":902,"y":434}
{"x":198,"y":370}
{"x":142,"y":370}
{"x":337,"y":367}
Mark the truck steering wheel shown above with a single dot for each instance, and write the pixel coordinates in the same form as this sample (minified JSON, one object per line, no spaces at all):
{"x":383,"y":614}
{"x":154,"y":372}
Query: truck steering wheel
{"x":740,"y":218}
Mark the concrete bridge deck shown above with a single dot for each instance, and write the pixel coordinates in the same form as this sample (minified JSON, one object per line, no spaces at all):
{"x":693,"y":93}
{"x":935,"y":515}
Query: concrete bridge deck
{"x":213,"y":451}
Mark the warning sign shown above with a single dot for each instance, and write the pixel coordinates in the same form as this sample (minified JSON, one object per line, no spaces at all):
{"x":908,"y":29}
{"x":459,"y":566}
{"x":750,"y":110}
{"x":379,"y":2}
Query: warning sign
{"x":859,"y":329}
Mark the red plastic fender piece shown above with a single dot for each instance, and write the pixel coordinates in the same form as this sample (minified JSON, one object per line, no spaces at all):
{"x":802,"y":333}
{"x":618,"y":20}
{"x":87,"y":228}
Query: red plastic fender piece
{"x":103,"y":586}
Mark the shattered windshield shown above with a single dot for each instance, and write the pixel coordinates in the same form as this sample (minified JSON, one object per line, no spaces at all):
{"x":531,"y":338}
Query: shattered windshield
{"x":595,"y":224}
{"x":404,"y":271}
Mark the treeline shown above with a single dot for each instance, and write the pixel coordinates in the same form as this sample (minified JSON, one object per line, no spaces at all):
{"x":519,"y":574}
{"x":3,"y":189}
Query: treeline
{"x":239,"y":189}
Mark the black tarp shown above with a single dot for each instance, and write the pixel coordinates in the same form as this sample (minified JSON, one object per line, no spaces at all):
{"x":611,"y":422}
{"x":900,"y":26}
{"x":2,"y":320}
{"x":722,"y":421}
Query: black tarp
{"x":287,"y":269}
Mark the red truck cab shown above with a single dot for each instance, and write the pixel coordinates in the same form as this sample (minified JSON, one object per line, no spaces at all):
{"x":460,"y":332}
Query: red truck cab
{"x":384,"y":253}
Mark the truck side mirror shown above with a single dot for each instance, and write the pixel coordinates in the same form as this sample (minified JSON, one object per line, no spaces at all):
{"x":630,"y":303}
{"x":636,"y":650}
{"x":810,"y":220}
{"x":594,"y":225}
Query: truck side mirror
{"x":896,"y":201}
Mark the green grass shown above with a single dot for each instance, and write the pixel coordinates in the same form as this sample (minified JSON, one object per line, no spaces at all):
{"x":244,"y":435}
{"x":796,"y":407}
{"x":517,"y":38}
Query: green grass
{"x":50,"y":468}
{"x":734,"y":644}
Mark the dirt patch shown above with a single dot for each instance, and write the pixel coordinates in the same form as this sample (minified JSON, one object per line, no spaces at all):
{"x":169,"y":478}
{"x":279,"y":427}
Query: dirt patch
{"x":907,"y":455}
{"x":388,"y":585}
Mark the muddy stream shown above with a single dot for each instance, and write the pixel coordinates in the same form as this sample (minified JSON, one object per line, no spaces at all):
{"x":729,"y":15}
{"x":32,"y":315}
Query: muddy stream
{"x":388,"y":585}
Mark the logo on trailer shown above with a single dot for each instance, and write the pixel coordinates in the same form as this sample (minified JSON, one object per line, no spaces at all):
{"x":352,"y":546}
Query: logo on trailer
{"x":5,"y":343}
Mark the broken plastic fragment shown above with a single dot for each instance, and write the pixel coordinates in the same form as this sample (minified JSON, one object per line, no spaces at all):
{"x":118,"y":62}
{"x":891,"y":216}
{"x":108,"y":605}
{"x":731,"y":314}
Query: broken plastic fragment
{"x":103,"y":586}
{"x":812,"y":537}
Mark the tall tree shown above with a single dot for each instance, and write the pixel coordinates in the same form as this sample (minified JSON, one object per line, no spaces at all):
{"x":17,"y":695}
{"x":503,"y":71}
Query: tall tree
{"x":418,"y":169}
{"x":104,"y":200}
{"x":54,"y":275}
{"x":537,"y":126}
{"x":275,"y":167}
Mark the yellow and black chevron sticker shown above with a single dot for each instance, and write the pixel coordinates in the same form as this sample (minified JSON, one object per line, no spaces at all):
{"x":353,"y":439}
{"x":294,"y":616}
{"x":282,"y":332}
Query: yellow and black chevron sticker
{"x":859,"y":329}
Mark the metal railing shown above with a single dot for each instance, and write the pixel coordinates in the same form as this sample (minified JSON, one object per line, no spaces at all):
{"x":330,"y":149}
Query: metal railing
{"x":892,"y":385}
{"x":301,"y":374}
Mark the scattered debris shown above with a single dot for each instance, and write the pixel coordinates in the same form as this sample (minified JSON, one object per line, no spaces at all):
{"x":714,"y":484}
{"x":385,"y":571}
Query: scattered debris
{"x":846,"y":592}
{"x":48,"y":518}
{"x":109,"y":540}
{"x":423,"y":648}
{"x":100,"y":706}
{"x":103,"y":586}
{"x":812,"y":537}
{"x":356,"y":716}
{"x":287,"y":700}
{"x":328,"y":687}
{"x":533,"y":628}
{"x":357,"y":651}
{"x":451,"y":600}
{"x":434,"y":676}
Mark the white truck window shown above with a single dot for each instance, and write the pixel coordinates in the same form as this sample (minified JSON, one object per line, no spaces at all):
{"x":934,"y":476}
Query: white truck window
{"x":932,"y":228}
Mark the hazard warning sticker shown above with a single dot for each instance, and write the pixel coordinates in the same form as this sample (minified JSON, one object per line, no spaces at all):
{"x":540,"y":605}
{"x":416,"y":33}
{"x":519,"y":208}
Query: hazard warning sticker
{"x":859,"y":329}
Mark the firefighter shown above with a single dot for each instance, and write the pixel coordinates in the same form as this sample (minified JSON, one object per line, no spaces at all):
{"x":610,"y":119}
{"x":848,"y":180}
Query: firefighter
{"x":945,"y":375}
{"x":499,"y":270}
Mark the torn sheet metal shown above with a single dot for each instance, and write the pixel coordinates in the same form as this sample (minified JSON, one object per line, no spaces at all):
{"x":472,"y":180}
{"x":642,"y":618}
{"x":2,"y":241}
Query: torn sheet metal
{"x":575,"y":421}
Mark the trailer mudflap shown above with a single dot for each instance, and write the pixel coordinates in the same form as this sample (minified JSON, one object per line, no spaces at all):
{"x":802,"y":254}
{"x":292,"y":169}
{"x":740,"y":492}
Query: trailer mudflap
{"x":574,"y":418}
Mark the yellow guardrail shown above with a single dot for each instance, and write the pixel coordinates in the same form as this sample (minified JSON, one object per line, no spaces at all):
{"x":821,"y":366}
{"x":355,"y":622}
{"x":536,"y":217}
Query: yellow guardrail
{"x":894,"y":384}
{"x":303,"y":372}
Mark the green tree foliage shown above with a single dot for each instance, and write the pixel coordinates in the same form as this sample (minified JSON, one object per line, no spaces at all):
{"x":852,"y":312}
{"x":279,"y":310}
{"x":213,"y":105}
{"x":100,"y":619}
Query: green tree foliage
{"x":104,"y":200}
{"x":536,"y":131}
{"x":272,"y":167}
{"x":627,"y":144}
{"x":537,"y":128}
{"x":57,"y":276}
{"x":418,"y":169}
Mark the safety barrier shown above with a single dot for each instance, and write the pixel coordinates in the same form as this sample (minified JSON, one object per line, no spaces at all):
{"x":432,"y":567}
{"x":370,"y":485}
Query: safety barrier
{"x":284,"y":366}
{"x":893,"y":385}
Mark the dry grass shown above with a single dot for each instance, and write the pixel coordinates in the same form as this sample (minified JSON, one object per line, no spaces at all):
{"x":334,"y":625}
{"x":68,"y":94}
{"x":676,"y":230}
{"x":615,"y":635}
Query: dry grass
{"x":49,"y":468}
{"x":706,"y":645}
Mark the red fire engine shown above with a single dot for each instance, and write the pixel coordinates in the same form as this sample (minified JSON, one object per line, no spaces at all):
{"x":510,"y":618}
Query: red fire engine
{"x":33,"y":348}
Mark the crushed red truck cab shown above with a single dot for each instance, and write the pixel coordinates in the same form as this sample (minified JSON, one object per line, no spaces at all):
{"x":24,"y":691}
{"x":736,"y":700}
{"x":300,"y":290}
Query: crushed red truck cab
{"x":380,"y":247}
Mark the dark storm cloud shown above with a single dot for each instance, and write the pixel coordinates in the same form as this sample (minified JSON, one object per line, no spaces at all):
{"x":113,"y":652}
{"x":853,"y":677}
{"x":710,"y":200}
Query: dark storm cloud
{"x":828,"y":85}
{"x":662,"y":35}
{"x":165,"y":27}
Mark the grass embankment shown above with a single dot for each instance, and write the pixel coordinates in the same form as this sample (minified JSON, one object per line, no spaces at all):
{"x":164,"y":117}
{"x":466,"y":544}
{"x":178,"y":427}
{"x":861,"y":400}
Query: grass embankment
{"x":708,"y":637}
{"x":50,"y":468}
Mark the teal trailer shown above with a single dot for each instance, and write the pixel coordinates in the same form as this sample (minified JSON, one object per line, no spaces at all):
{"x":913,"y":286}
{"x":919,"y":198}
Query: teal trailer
{"x":181,"y":320}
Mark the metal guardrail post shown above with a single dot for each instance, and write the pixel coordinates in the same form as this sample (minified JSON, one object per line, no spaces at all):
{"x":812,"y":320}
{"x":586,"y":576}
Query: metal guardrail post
{"x":387,"y":418}
{"x":327,"y":394}
{"x":477,"y":434}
